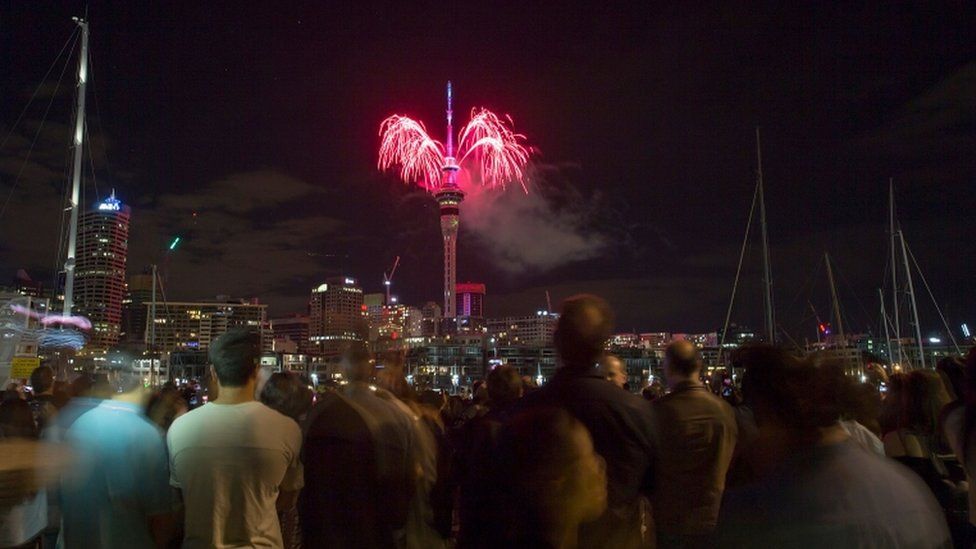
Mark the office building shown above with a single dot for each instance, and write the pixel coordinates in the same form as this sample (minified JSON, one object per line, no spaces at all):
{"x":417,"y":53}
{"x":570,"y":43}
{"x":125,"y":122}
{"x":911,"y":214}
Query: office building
{"x":99,"y":287}
{"x":336,"y":316}
{"x":291,"y":335}
{"x":183,"y":327}
{"x":533,"y":330}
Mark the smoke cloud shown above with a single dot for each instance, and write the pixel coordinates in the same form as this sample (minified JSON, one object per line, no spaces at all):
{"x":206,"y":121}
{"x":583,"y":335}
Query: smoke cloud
{"x":549,"y":227}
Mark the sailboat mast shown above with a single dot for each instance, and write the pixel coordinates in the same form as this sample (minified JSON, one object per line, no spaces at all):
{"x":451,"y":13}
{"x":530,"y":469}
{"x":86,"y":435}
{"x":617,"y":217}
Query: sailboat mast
{"x":767,"y":272}
{"x":894,"y":269}
{"x":69,"y":263}
{"x":911,"y":295}
{"x":836,"y":302}
{"x":884,"y":323}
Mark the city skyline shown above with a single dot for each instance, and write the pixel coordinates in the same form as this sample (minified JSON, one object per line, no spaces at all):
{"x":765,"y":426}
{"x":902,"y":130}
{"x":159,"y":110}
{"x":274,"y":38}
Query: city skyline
{"x":266,"y":168}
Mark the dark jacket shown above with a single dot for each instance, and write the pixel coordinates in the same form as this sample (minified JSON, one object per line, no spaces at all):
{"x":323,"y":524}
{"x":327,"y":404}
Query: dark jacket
{"x":622,"y":430}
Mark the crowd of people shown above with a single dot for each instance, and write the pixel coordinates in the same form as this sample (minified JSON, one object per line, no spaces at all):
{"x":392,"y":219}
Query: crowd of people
{"x":793,"y":453}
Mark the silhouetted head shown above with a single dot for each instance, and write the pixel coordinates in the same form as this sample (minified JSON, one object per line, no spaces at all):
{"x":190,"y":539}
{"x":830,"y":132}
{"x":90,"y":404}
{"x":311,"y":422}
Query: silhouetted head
{"x":235,"y":356}
{"x":953,"y":372}
{"x":924,"y":397}
{"x":42,"y":380}
{"x":288,"y":394}
{"x":358,"y":364}
{"x":585,"y":324}
{"x":504,"y":385}
{"x":682,"y":362}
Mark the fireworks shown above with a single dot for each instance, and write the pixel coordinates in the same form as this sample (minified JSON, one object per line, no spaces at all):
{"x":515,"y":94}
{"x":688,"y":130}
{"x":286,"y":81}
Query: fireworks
{"x":488,"y":150}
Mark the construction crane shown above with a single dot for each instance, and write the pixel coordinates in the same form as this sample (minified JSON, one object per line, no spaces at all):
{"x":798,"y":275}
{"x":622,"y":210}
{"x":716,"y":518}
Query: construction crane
{"x":388,"y":279}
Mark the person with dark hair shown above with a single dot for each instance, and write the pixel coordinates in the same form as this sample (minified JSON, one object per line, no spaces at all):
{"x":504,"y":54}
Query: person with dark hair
{"x":288,"y":394}
{"x":816,"y":487}
{"x":552,"y":479}
{"x":619,"y":422}
{"x":234,"y":460}
{"x":43,"y":403}
{"x":165,"y":405}
{"x":117,"y":494}
{"x":478,"y":505}
{"x":696,"y":434}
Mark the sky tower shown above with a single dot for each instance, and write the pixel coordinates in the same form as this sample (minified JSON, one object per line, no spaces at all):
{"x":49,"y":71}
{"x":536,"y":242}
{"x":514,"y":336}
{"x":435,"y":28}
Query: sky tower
{"x":450,"y":196}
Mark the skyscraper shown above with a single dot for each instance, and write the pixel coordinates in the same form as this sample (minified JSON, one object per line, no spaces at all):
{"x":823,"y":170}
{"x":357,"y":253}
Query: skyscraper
{"x":103,"y":244}
{"x":336,"y":316}
{"x":470,"y":307}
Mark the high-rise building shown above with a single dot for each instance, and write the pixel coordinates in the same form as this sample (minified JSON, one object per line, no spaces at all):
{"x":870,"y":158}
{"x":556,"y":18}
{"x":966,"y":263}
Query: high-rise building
{"x":99,"y":287}
{"x":181,"y":326}
{"x":291,"y":334}
{"x":134,"y":311}
{"x":336,"y":316}
{"x":532,"y":330}
{"x":470,"y":307}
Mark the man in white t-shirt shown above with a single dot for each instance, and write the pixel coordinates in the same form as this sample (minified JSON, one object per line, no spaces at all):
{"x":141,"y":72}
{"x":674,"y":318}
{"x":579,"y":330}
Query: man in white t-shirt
{"x":235,"y":460}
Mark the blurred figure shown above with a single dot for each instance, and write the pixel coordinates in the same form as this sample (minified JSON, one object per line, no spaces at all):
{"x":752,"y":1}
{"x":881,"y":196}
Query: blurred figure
{"x":860,"y":410}
{"x":17,"y":419}
{"x":235,"y":460}
{"x":696,"y":435}
{"x":165,"y":406}
{"x":475,"y":460}
{"x":653,"y":391}
{"x":117,"y":493}
{"x":614,"y":370}
{"x":960,"y":431}
{"x":554,"y":481}
{"x":288,"y":394}
{"x":620,"y":423}
{"x":892,"y":405}
{"x":817,"y":487}
{"x":43,"y":403}
{"x":22,"y":511}
{"x":917,"y":434}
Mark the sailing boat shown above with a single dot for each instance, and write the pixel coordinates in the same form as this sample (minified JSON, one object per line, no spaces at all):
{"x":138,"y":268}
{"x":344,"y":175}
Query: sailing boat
{"x":905,"y":353}
{"x":769,"y":316}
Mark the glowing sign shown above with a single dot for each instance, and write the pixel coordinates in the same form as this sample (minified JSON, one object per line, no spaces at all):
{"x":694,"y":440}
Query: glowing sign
{"x":350,"y":281}
{"x":110,"y":206}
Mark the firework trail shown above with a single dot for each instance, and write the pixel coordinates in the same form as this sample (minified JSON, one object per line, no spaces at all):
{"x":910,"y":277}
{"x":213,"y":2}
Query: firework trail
{"x":487,"y":148}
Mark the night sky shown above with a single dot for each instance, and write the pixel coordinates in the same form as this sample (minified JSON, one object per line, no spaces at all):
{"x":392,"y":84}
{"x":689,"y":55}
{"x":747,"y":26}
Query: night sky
{"x":263,"y":121}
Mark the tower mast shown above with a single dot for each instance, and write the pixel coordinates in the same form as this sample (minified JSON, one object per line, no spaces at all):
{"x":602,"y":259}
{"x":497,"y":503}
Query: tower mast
{"x":894,"y":268}
{"x":767,"y":271}
{"x":911,"y":295}
{"x":449,"y":196}
{"x":69,"y":263}
{"x":836,"y":301}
